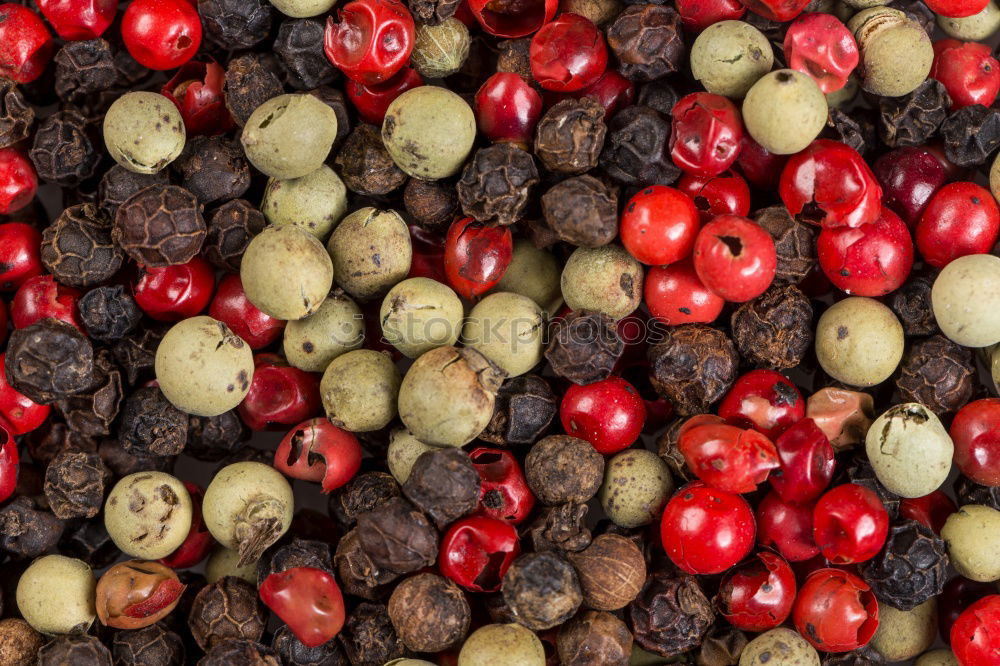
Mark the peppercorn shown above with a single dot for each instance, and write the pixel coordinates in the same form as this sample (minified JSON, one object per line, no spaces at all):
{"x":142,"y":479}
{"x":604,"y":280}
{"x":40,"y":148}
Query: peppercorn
{"x":969,"y":492}
{"x":53,"y":437}
{"x":213,"y":169}
{"x":722,"y":645}
{"x":74,"y":484}
{"x":239,"y":651}
{"x":496,"y":183}
{"x":971,"y":134}
{"x":62,"y":152}
{"x":728,"y":57}
{"x":882,"y":34}
{"x":290,"y":650}
{"x":397,"y":536}
{"x":230,"y":229}
{"x":912,"y":305}
{"x":365,"y":492}
{"x":636,"y":486}
{"x":74,"y":650}
{"x":365,"y":164}
{"x":856,"y":130}
{"x":118,"y":184}
{"x":251,"y":80}
{"x":444,"y":484}
{"x":666,"y":448}
{"x":570,"y":136}
{"x":55,"y":595}
{"x":108,"y":313}
{"x":160,"y":226}
{"x":911,"y":568}
{"x":611,"y":571}
{"x":152,"y":425}
{"x":299,"y":46}
{"x":562,"y":469}
{"x":524,"y":409}
{"x":429,"y":132}
{"x":84,"y":68}
{"x":357,"y":269}
{"x":585,"y":347}
{"x":19,"y":643}
{"x":561,"y":528}
{"x":356,"y":572}
{"x":135,"y":594}
{"x":440,"y":50}
{"x":16,"y":114}
{"x":154,"y":645}
{"x":774,"y":330}
{"x":784,"y":111}
{"x":937,"y":373}
{"x":636,"y":150}
{"x":794,"y":243}
{"x":49,"y":360}
{"x":429,"y":613}
{"x":582,"y":211}
{"x":604,"y":279}
{"x":77,"y":247}
{"x":431,"y":204}
{"x":542,"y":590}
{"x":334,"y":99}
{"x":594,"y":638}
{"x":235,"y":24}
{"x":89,"y":541}
{"x":693,"y":367}
{"x":91,"y":412}
{"x":368,"y":636}
{"x":671,"y":614}
{"x":432,"y":12}
{"x":27,"y":530}
{"x":136,"y":352}
{"x":783,"y":644}
{"x":912,"y":119}
{"x":647,"y":41}
{"x":228,"y":608}
{"x":859,"y":341}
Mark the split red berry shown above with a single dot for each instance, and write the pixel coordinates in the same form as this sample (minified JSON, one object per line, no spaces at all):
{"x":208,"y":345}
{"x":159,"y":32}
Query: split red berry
{"x":835,"y":611}
{"x":786,"y":527}
{"x":850,"y":524}
{"x":676,"y":295}
{"x":706,"y":530}
{"x":821,"y":46}
{"x":869,"y":260}
{"x":197,"y":92}
{"x":477,"y":551}
{"x":960,"y":219}
{"x":172,"y":293}
{"x":696,"y":15}
{"x":512,"y":19}
{"x":476,"y":256}
{"x":507,"y":108}
{"x":956,"y":8}
{"x":161,"y":34}
{"x":975,"y":636}
{"x":199,"y":542}
{"x":318,"y":451}
{"x":659,"y":225}
{"x":735,"y":258}
{"x":19,"y":414}
{"x":8,"y":463}
{"x":765,"y":401}
{"x":568,"y":54}
{"x":706,"y":134}
{"x":807,"y":463}
{"x":909,"y":178}
{"x":757,"y":595}
{"x":373,"y":40}
{"x":308,"y":600}
{"x":372,"y":100}
{"x":958,"y":594}
{"x":727,"y":457}
{"x":777,"y":10}
{"x":25,"y":44}
{"x":609,"y":414}
{"x":79,"y":19}
{"x":20,"y":254}
{"x":968,"y":70}
{"x":232,"y":307}
{"x":18,"y":181}
{"x":41,"y":297}
{"x":503,"y":490}
{"x":280,"y":394}
{"x":724,"y":194}
{"x":975,"y":431}
{"x":930,"y":510}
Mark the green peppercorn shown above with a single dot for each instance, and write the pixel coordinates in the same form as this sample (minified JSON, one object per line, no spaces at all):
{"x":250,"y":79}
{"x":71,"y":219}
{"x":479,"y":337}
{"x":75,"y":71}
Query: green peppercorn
{"x":728,"y":57}
{"x":286,"y":272}
{"x":896,"y":53}
{"x":289,"y":136}
{"x":429,"y":131}
{"x":784,"y":111}
{"x":144,"y":132}
{"x":371,"y":251}
{"x":359,"y":390}
{"x":316,"y":202}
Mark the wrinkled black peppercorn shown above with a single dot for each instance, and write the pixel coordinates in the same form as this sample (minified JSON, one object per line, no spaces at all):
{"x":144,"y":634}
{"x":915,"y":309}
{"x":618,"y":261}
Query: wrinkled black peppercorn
{"x":49,"y":360}
{"x":666,"y":448}
{"x":561,"y":528}
{"x":585,"y":347}
{"x":912,"y":304}
{"x":88,"y":540}
{"x":658,"y":95}
{"x":365,"y":492}
{"x":522,"y":413}
{"x":369,"y":638}
{"x":152,"y":425}
{"x":636,"y":149}
{"x":856,"y":130}
{"x":136,"y":352}
{"x":16,"y":114}
{"x":911,"y":568}
{"x":154,"y":645}
{"x":74,"y":650}
{"x":647,"y":41}
{"x":912,"y":119}
{"x":118,"y":184}
{"x":671,"y":615}
{"x":496,"y":182}
{"x":794,"y":243}
{"x":77,"y":248}
{"x":356,"y":572}
{"x":62,"y":152}
{"x":291,"y":650}
{"x":74,"y":484}
{"x":298,"y":553}
{"x":251,"y":79}
{"x":397,"y":536}
{"x":443,"y":484}
{"x":593,"y":638}
{"x":693,"y":367}
{"x":227,"y":608}
{"x":27,"y":530}
{"x":569,"y":137}
{"x":108,"y":313}
{"x":236,"y":24}
{"x":238,"y":651}
{"x":433,"y":12}
{"x":582,"y":210}
{"x":969,"y":492}
{"x":937,"y":373}
{"x":160,"y":226}
{"x":122,"y":462}
{"x":84,"y":68}
{"x":971,"y":134}
{"x":212,"y":438}
{"x":775,"y":329}
{"x":561,"y":469}
{"x":299,"y":46}
{"x":230,"y":229}
{"x":365,"y":164}
{"x":91,"y":412}
{"x":541,"y":590}
{"x":213,"y":169}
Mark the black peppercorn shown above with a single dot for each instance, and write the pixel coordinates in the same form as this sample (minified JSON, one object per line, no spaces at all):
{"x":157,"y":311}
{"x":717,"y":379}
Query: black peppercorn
{"x":971,"y":134}
{"x":236,"y":24}
{"x":299,"y":46}
{"x":582,"y":210}
{"x":108,"y":313}
{"x":431,"y":203}
{"x":658,"y":95}
{"x":77,"y":247}
{"x":230,"y":229}
{"x":444,"y":484}
{"x":496,"y":182}
{"x":152,"y":425}
{"x":227,"y":608}
{"x":368,"y":637}
{"x":911,"y":568}
{"x":27,"y":530}
{"x":775,"y":329}
{"x":594,"y":638}
{"x":136,"y":352}
{"x":912,"y":119}
{"x":937,"y":373}
{"x":693,"y":367}
{"x":433,"y":12}
{"x":636,"y":149}
{"x":251,"y":79}
{"x":16,"y":114}
{"x":298,"y":553}
{"x":365,"y":492}
{"x":569,"y":137}
{"x":356,"y":572}
{"x":74,"y":484}
{"x":154,"y":645}
{"x":856,"y":130}
{"x":88,"y":540}
{"x":160,"y":226}
{"x":523,"y":411}
{"x":213,"y":169}
{"x":118,"y":184}
{"x":365,"y":165}
{"x":561,"y":469}
{"x":561,"y":528}
{"x":648,"y":42}
{"x":969,"y":492}
{"x":212,"y":438}
{"x":397,"y":536}
{"x":912,"y":304}
{"x":62,"y":152}
{"x":429,"y":613}
{"x":238,"y":651}
{"x":84,"y":68}
{"x":794,"y":244}
{"x":671,"y":615}
{"x":74,"y":650}
{"x":52,"y":438}
{"x":585,"y":347}
{"x":49,"y":360}
{"x":290,"y":650}
{"x":122,"y":462}
{"x":541,"y":590}
{"x":91,"y":412}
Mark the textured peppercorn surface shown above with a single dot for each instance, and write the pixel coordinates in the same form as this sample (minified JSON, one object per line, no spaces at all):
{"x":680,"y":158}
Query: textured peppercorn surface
{"x":911,"y":568}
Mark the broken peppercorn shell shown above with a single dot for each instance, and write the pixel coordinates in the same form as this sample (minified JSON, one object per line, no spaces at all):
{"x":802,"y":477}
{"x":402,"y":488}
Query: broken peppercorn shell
{"x":844,"y":416}
{"x":136,"y":594}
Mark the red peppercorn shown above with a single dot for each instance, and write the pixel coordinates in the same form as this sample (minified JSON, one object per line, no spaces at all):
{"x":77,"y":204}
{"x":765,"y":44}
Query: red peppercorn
{"x":19,"y":414}
{"x":735,"y":258}
{"x":476,"y":256}
{"x":975,"y":639}
{"x":930,"y":510}
{"x":975,"y":431}
{"x":726,"y":457}
{"x":969,"y":72}
{"x":161,"y":34}
{"x":761,"y":168}
{"x":3,"y":322}
{"x":724,"y":194}
{"x":821,"y":46}
{"x":609,"y":414}
{"x":776,"y":10}
{"x":318,"y":451}
{"x":765,"y":401}
{"x":507,"y":108}
{"x":8,"y":463}
{"x":279,"y":395}
{"x":373,"y":40}
{"x":960,"y":219}
{"x":786,"y":527}
{"x":20,"y":254}
{"x":232,"y":307}
{"x":706,"y":530}
{"x":477,"y":551}
{"x":503,"y":490}
{"x":807,"y":463}
{"x":869,"y":260}
{"x":25,"y":43}
{"x":308,"y":600}
{"x":612,"y":91}
{"x":659,"y":225}
{"x":18,"y":181}
{"x":372,"y":101}
{"x":696,"y":15}
{"x":958,"y":594}
{"x":835,"y":611}
{"x":198,"y":542}
{"x":512,"y":19}
{"x":676,"y":295}
{"x":172,"y":293}
{"x":197,"y":92}
{"x":79,"y":19}
{"x":706,"y":133}
{"x":850,"y":524}
{"x":757,"y":595}
{"x":956,"y":8}
{"x":568,"y":54}
{"x":909,"y":178}
{"x":41,"y":297}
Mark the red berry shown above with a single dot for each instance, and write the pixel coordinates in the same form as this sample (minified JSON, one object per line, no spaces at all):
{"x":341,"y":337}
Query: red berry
{"x":503,"y":490}
{"x":909,"y":178}
{"x":724,"y":194}
{"x":958,"y":594}
{"x":568,"y":54}
{"x":20,"y":254}
{"x":477,"y":551}
{"x":280,"y":395}
{"x":232,"y":307}
{"x":757,"y":595}
{"x":8,"y":463}
{"x":609,"y":414}
{"x":960,"y":219}
{"x":696,"y":15}
{"x":19,"y":414}
{"x":18,"y":181}
{"x":807,"y":463}
{"x":735,"y":258}
{"x":968,"y":70}
{"x":821,"y":46}
{"x":975,"y":636}
{"x":975,"y":431}
{"x":835,"y":611}
{"x":786,"y":527}
{"x":706,"y":530}
{"x":956,"y":8}
{"x":172,"y":293}
{"x":930,"y":510}
{"x":372,"y":101}
{"x":765,"y":401}
{"x":373,"y":40}
{"x":198,"y":543}
{"x":726,"y":457}
{"x":318,"y":451}
{"x":161,"y":34}
{"x":761,"y":168}
{"x":507,"y":108}
{"x":476,"y":256}
{"x":659,"y":225}
{"x":706,"y":133}
{"x":79,"y":19}
{"x":850,"y":524}
{"x":3,"y":322}
{"x":196,"y":91}
{"x":676,"y":295}
{"x":612,"y":91}
{"x":869,"y":260}
{"x":428,"y":260}
{"x":511,"y":19}
{"x":25,"y":44}
{"x":41,"y":297}
{"x":776,"y":10}
{"x":308,"y":600}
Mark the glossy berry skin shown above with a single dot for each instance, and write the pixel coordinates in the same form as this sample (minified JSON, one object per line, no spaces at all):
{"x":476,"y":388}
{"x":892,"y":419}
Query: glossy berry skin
{"x":732,"y":459}
{"x":735,"y":258}
{"x":231,"y":306}
{"x":956,"y":8}
{"x":786,"y":527}
{"x":975,"y":431}
{"x":776,"y":10}
{"x":609,"y":414}
{"x":18,"y":181}
{"x":318,"y":451}
{"x":41,"y":297}
{"x":676,"y":295}
{"x":428,"y":259}
{"x":724,"y":194}
{"x":612,"y":91}
{"x":706,"y":530}
{"x":834,"y":179}
{"x":850,"y":524}
{"x":476,"y":256}
{"x":19,"y":414}
{"x":4,"y":321}
{"x":909,"y":177}
{"x":372,"y":101}
{"x":477,"y":551}
{"x":757,"y":595}
{"x":503,"y":490}
{"x":930,"y":510}
{"x":696,"y":15}
{"x":308,"y":600}
{"x":172,"y":293}
{"x":764,"y":400}
{"x":705,"y":134}
{"x":969,"y":72}
{"x":280,"y":395}
{"x":822,"y":47}
{"x":197,"y":92}
{"x":161,"y":34}
{"x":568,"y":54}
{"x":975,"y":636}
{"x":512,"y":19}
{"x":870,"y":260}
{"x":659,"y":225}
{"x":807,"y":463}
{"x":26,"y":46}
{"x":199,"y":542}
{"x":8,"y":463}
{"x":79,"y":19}
{"x":835,"y":611}
{"x":958,"y":594}
{"x":20,"y":254}
{"x":373,"y":40}
{"x":960,"y":219}
{"x":507,"y":108}
{"x":762,"y":169}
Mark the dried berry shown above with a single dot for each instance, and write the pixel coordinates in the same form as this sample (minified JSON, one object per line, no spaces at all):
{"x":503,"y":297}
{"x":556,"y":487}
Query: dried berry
{"x":235,"y":24}
{"x":74,"y":484}
{"x":228,"y":608}
{"x":62,"y":152}
{"x":636,"y":149}
{"x":88,"y":540}
{"x":561,"y":528}
{"x":16,"y":114}
{"x":251,"y":79}
{"x":136,"y":352}
{"x":912,"y":305}
{"x":937,"y":373}
{"x":26,"y":529}
{"x":108,"y":313}
{"x":524,"y":409}
{"x":84,"y":68}
{"x":212,"y":438}
{"x":118,"y":184}
{"x":857,"y":130}
{"x":397,"y":536}
{"x":431,"y":204}
{"x":671,"y":614}
{"x":298,"y":553}
{"x":49,"y":360}
{"x":154,"y":645}
{"x":611,"y":570}
{"x":358,"y":575}
{"x":583,"y":211}
{"x":648,"y":41}
{"x":444,"y":484}
{"x":151,"y":425}
{"x":135,"y":594}
{"x":794,"y":243}
{"x":74,"y":650}
{"x":912,"y":119}
{"x":693,"y":367}
{"x":911,"y":568}
{"x":722,"y":646}
{"x":365,"y":492}
{"x":230,"y":229}
{"x":368,"y":637}
{"x":585,"y":347}
{"x":775,"y":329}
{"x":541,"y":590}
{"x":213,"y":169}
{"x":92,"y":412}
{"x":561,"y":469}
{"x":237,"y":651}
{"x":971,"y":134}
{"x":429,"y":613}
{"x":514,"y":56}
{"x":299,"y":46}
{"x":569,"y":137}
{"x":496,"y":182}
{"x":160,"y":226}
{"x":433,"y":12}
{"x":77,"y":247}
{"x":593,"y":638}
{"x":365,"y":165}
{"x":969,"y":492}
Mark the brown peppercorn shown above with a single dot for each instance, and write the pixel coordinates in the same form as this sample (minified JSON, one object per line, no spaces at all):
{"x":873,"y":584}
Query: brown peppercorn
{"x":433,"y":12}
{"x":74,"y":484}
{"x":251,"y":80}
{"x":561,"y":469}
{"x":212,"y":438}
{"x":647,"y":41}
{"x":636,"y":150}
{"x":775,"y":329}
{"x":230,"y":230}
{"x":368,"y":637}
{"x":356,"y":572}
{"x":154,"y":645}
{"x":611,"y":570}
{"x":570,"y":136}
{"x":62,"y":152}
{"x":444,"y":484}
{"x":227,"y":608}
{"x":136,"y":594}
{"x":561,"y":528}
{"x":671,"y":615}
{"x":238,"y":651}
{"x":118,"y":184}
{"x":160,"y":226}
{"x":722,"y":646}
{"x":365,"y":165}
{"x":16,"y":114}
{"x":496,"y":182}
{"x":19,"y":643}
{"x":912,"y":305}
{"x":27,"y":531}
{"x":151,"y":425}
{"x":541,"y":590}
{"x":666,"y":448}
{"x":515,"y":57}
{"x":430,"y":203}
{"x":594,"y":638}
{"x":213,"y":169}
{"x":524,"y":409}
{"x":74,"y":650}
{"x":693,"y":367}
{"x":583,"y":211}
{"x":365,"y":492}
{"x":290,"y":650}
{"x":429,"y":613}
{"x":398,"y":537}
{"x":93,"y":411}
{"x":49,"y":360}
{"x":585,"y":347}
{"x":794,"y":243}
{"x":84,"y":68}
{"x":938,"y":374}
{"x":77,"y":248}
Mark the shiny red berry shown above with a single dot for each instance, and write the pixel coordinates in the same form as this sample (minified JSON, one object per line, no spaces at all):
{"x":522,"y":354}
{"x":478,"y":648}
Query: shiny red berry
{"x":807,"y":463}
{"x":724,"y":194}
{"x":197,"y":92}
{"x":8,"y":463}
{"x":850,"y":524}
{"x":477,"y":551}
{"x":172,"y":293}
{"x":960,"y":219}
{"x":676,"y":295}
{"x":968,"y":70}
{"x":706,"y":530}
{"x":765,"y":401}
{"x":25,"y":43}
{"x":20,"y":254}
{"x":232,"y":307}
{"x":279,"y":395}
{"x":735,"y":258}
{"x":776,"y":10}
{"x":308,"y":600}
{"x":79,"y":19}
{"x":161,"y":34}
{"x":757,"y":595}
{"x":696,"y":15}
{"x":372,"y":100}
{"x":507,"y":108}
{"x":761,"y":168}
{"x":609,"y":414}
{"x":909,"y":177}
{"x":568,"y":54}
{"x":706,"y":134}
{"x":930,"y":510}
{"x":199,"y":542}
{"x":503,"y":490}
{"x":318,"y":451}
{"x":821,"y":46}
{"x":958,"y":594}
{"x":476,"y":256}
{"x":869,"y":260}
{"x":659,"y":225}
{"x":726,"y":457}
{"x":18,"y":181}
{"x":975,"y":636}
{"x":41,"y":297}
{"x":975,"y":431}
{"x":511,"y":18}
{"x":835,"y":611}
{"x":612,"y":91}
{"x":428,"y":259}
{"x":19,"y":414}
{"x":786,"y":527}
{"x":956,"y":8}
{"x":4,"y":321}
{"x":373,"y":40}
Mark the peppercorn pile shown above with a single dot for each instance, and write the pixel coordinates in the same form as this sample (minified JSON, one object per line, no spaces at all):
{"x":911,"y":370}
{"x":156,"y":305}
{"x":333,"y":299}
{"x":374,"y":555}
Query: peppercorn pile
{"x":499,"y":333}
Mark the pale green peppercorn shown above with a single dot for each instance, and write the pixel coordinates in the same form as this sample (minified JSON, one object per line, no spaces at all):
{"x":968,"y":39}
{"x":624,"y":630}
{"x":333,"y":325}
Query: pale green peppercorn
{"x":972,"y":535}
{"x":335,"y":328}
{"x":144,"y":132}
{"x":902,"y":635}
{"x":359,"y":390}
{"x":429,"y":131}
{"x":728,"y":57}
{"x":859,"y":341}
{"x":784,"y":111}
{"x":371,"y":251}
{"x":966,"y":300}
{"x":502,"y":645}
{"x":303,"y":8}
{"x":404,"y":449}
{"x":942,"y":657}
{"x":637,"y":483}
{"x":316,"y":202}
{"x":286,"y":272}
{"x":976,"y":28}
{"x":289,"y":136}
{"x":910,"y":450}
{"x":533,"y":272}
{"x":420,"y":314}
{"x":439,"y":50}
{"x":507,"y":329}
{"x":148,"y":514}
{"x":224,"y":562}
{"x":605,"y":279}
{"x":56,"y":595}
{"x":884,"y":35}
{"x":779,"y":647}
